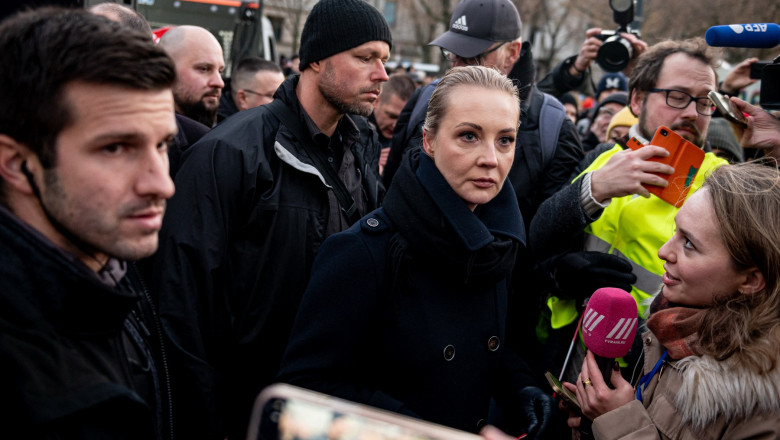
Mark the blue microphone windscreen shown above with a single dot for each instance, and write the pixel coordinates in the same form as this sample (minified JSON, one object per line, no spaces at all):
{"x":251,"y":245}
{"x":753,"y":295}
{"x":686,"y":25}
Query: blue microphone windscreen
{"x":755,"y":35}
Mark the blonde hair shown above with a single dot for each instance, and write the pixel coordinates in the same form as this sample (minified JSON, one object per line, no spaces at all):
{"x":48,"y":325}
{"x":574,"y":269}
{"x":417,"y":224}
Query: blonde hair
{"x":746,"y":201}
{"x":478,"y":76}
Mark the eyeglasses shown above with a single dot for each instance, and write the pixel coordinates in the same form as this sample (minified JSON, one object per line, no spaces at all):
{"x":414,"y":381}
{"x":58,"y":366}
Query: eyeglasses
{"x":267,"y":95}
{"x":605,"y":112}
{"x":681,"y":100}
{"x":473,"y":61}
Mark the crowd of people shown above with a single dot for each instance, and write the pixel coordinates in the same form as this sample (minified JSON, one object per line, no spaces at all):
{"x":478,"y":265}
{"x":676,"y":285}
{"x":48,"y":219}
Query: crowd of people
{"x":174,"y":241}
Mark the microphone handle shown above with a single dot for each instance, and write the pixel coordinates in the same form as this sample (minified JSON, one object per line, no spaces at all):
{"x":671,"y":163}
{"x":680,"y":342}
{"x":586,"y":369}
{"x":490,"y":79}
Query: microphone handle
{"x":605,"y":366}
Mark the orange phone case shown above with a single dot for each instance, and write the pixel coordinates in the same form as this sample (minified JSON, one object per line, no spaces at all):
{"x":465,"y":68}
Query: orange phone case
{"x":685,"y":157}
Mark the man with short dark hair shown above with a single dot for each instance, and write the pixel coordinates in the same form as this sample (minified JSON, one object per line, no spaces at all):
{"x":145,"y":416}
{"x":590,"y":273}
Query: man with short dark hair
{"x":253,"y":83}
{"x":188,"y":130}
{"x":199,"y":65}
{"x":256,"y":197}
{"x":83,"y":139}
{"x":395,"y":92}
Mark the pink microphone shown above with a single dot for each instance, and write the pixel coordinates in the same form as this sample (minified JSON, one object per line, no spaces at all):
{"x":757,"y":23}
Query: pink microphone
{"x":609,"y":326}
{"x":608,"y":329}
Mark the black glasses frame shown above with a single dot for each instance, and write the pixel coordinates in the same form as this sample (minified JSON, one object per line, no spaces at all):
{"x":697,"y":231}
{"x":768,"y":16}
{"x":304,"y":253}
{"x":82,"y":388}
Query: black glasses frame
{"x":472,"y":61}
{"x":701,"y":101}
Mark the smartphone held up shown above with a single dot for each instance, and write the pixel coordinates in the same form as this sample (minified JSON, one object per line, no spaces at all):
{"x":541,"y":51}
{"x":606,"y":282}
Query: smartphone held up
{"x":283,"y":412}
{"x":728,"y":109}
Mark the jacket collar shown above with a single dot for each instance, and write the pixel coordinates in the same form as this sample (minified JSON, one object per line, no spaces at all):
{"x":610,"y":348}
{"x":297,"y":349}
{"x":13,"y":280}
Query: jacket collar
{"x":500,"y":215}
{"x":55,"y":286}
{"x":523,"y":74}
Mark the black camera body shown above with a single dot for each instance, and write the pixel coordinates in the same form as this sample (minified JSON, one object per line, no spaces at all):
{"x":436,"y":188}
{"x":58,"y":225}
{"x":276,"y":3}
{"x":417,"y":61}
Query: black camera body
{"x":770,"y":85}
{"x":616,"y":52}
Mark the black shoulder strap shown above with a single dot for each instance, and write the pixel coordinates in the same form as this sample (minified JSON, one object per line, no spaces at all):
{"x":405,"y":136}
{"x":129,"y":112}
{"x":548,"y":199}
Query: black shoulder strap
{"x":286,"y":117}
{"x":550,"y":120}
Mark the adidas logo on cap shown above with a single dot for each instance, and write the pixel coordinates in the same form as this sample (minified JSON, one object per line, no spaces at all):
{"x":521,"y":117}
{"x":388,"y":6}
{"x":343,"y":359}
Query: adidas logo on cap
{"x":461,"y":24}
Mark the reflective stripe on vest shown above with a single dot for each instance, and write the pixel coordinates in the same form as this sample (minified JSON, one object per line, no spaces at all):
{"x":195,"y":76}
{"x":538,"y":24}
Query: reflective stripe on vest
{"x":635,"y":228}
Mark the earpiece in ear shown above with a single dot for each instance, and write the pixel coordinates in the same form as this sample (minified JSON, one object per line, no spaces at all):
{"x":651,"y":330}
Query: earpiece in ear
{"x":30,"y":180}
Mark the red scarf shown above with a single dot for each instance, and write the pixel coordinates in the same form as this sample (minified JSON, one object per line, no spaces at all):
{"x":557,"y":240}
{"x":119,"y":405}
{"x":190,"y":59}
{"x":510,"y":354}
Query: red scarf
{"x":676,"y":327}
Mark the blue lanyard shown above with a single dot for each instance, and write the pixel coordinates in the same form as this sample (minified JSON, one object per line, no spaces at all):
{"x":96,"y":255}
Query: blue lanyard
{"x":645,"y":380}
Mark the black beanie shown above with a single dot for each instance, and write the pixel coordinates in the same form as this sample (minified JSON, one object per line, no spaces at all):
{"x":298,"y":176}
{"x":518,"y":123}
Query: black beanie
{"x":334,"y":26}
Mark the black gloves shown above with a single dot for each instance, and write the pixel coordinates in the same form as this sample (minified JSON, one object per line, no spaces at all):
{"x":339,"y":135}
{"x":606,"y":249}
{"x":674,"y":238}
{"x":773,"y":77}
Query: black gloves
{"x":578,"y":274}
{"x":537,"y":410}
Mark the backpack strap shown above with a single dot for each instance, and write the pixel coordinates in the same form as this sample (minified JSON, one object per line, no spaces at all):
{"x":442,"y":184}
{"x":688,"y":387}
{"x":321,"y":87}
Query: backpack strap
{"x":286,"y":117}
{"x":417,"y":118}
{"x":550,"y":119}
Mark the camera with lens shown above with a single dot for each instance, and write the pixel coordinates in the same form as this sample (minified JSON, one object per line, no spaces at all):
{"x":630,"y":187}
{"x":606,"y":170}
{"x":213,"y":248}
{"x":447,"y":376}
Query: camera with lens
{"x":616,"y":52}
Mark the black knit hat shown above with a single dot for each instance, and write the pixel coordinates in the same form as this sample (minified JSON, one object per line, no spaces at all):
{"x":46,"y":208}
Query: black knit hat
{"x":334,"y":26}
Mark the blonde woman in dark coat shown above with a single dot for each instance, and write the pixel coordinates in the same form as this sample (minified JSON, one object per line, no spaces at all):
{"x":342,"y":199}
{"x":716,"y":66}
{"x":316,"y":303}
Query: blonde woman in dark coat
{"x":407,"y":309}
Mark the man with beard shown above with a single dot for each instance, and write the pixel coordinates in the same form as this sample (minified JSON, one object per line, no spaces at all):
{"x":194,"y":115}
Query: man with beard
{"x":84,"y":179}
{"x":256,"y":197}
{"x":199,"y":66}
{"x":606,"y":209}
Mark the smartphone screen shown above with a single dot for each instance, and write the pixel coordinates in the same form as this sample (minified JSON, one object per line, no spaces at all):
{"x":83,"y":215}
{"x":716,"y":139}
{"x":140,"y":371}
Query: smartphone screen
{"x":283,"y":412}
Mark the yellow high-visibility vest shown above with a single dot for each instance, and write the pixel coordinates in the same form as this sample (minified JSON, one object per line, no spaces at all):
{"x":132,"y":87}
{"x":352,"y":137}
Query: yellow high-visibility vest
{"x":635,"y":228}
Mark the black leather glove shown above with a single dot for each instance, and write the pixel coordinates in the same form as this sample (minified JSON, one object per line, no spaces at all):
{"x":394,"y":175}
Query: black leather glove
{"x":578,"y":274}
{"x":537,"y":407}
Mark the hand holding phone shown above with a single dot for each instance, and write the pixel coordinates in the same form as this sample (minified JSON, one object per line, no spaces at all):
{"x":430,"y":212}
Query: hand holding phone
{"x":728,"y":109}
{"x":562,"y":391}
{"x":684,"y":157}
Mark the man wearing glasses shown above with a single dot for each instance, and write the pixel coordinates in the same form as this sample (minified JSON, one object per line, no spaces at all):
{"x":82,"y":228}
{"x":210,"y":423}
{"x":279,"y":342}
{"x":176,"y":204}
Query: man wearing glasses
{"x":601,"y":209}
{"x":253,"y":84}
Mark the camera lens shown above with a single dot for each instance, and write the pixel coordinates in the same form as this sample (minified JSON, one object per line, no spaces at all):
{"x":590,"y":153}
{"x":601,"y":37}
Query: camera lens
{"x":615,"y":54}
{"x":664,"y":133}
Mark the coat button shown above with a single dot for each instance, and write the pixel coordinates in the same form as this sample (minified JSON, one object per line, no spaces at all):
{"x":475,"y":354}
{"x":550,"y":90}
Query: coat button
{"x":449,"y":352}
{"x":372,"y":222}
{"x":493,"y":343}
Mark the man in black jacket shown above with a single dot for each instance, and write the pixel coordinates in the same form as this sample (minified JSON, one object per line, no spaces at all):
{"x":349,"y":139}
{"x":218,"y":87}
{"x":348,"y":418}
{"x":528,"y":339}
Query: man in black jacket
{"x":253,"y":206}
{"x":83,"y":133}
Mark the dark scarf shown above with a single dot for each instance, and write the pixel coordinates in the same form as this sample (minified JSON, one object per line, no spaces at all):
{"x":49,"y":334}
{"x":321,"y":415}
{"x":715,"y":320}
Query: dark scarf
{"x":676,"y":327}
{"x":435,"y":226}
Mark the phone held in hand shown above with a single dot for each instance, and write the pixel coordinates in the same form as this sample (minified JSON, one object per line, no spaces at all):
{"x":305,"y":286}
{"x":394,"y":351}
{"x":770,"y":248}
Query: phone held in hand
{"x":728,"y":109}
{"x":284,"y":412}
{"x":684,"y":157}
{"x":560,"y":390}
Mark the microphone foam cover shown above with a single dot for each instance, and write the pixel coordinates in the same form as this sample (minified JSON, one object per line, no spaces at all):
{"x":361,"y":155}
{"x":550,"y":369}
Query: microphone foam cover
{"x":609,"y":322}
{"x":755,"y":35}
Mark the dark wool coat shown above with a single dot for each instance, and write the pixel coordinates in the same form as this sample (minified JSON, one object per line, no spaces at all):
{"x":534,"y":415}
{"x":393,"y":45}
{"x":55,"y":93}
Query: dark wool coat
{"x":433,"y":346}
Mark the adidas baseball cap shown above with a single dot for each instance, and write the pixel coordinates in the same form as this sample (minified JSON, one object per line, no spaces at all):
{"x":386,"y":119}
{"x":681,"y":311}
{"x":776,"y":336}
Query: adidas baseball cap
{"x":477,"y":24}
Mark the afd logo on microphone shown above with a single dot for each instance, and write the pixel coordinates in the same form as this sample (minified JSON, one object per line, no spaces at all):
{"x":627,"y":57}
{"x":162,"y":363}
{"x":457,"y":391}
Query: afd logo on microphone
{"x":619,"y":333}
{"x":739,"y":28}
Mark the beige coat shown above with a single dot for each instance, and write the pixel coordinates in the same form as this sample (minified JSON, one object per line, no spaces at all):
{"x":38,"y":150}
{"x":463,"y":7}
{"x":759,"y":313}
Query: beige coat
{"x":698,"y":398}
